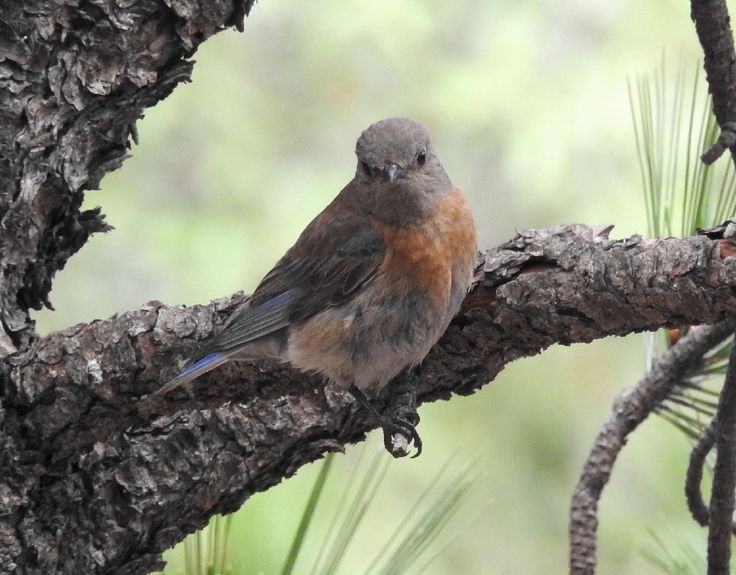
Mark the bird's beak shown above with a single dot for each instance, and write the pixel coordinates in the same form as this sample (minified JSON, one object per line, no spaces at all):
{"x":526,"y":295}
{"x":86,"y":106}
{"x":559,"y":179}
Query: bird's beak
{"x":392,"y":171}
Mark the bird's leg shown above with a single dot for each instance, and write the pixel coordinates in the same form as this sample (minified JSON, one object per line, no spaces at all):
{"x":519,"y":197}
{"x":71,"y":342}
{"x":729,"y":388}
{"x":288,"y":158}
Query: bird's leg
{"x":402,"y":414}
{"x":399,"y":424}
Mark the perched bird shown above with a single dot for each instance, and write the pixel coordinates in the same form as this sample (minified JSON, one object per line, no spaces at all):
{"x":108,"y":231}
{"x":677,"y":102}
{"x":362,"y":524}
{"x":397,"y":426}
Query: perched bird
{"x":372,"y":282}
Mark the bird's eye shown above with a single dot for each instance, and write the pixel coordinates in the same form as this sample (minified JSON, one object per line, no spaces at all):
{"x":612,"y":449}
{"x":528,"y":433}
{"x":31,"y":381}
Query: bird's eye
{"x":366,"y":169}
{"x":421,"y":157}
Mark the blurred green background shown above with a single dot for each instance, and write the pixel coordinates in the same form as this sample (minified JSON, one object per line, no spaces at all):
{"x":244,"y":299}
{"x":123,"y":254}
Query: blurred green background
{"x":528,"y":108}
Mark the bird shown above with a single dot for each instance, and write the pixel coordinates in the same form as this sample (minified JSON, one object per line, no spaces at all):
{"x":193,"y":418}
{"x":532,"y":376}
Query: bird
{"x":370,"y":284}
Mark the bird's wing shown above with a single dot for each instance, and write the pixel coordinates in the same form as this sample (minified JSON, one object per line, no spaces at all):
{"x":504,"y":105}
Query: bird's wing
{"x":333,"y":258}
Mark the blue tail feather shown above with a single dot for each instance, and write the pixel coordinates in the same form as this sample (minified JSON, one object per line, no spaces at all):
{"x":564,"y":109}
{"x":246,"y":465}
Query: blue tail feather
{"x":200,"y":363}
{"x":190,"y":372}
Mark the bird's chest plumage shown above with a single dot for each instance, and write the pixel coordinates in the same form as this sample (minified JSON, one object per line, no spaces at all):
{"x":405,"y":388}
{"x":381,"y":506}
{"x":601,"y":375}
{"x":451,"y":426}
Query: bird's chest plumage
{"x":403,"y":310}
{"x":434,"y":255}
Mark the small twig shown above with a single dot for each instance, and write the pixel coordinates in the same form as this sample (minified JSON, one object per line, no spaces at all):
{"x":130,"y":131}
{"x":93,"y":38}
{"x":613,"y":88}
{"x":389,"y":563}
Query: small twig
{"x":726,"y":140}
{"x":724,"y":476}
{"x":712,"y":25}
{"x":631,"y":408}
{"x":693,"y":495}
{"x":695,"y":503}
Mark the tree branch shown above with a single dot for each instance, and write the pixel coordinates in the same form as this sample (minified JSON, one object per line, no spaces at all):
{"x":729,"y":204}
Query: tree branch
{"x":74,"y":79}
{"x":630,"y":409}
{"x":713,"y":26}
{"x":119,"y":479}
{"x":75,"y":76}
{"x":724,"y":476}
{"x":694,"y":476}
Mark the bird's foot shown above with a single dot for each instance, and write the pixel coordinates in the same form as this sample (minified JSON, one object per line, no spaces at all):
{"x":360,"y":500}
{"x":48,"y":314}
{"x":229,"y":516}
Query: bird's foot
{"x":399,"y":424}
{"x":399,"y":432}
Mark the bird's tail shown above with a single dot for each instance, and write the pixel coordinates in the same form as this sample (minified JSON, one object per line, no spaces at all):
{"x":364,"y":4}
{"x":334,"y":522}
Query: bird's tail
{"x":193,"y":371}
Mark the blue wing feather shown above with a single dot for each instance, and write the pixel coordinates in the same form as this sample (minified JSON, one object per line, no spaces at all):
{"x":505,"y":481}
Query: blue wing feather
{"x":251,"y":322}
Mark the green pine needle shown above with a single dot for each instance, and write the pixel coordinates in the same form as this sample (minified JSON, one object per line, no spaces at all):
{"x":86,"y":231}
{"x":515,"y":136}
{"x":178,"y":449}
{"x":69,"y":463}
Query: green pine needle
{"x":205,"y":552}
{"x":308,"y":515}
{"x":341,"y":506}
{"x":673,"y":124}
{"x":681,"y":559}
{"x":362,"y":499}
{"x":403,"y":525}
{"x":414,"y":534}
{"x":680,"y":192}
{"x":422,"y":533}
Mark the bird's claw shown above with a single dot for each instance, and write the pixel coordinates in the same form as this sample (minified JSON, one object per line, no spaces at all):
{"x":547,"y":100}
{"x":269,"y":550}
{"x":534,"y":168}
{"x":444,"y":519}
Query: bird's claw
{"x":399,"y":433}
{"x":399,"y":425}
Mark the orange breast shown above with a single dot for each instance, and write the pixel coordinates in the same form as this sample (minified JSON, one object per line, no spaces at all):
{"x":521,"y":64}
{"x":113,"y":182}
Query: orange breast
{"x":428,"y":255}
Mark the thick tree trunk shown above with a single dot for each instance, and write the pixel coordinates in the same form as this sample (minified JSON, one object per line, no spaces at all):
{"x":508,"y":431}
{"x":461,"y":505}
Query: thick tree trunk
{"x":94,"y":480}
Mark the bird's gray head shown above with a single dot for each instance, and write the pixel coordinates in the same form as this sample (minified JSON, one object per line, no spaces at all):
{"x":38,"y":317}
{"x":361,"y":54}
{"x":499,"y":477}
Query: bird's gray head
{"x":399,"y":177}
{"x":396,"y":148}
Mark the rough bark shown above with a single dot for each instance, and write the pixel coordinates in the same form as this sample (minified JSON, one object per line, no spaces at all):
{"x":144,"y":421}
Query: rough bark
{"x":118,"y":479}
{"x":713,"y":26}
{"x":724,"y":476}
{"x":630,"y":409}
{"x":95,"y":480}
{"x":75,"y":76}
